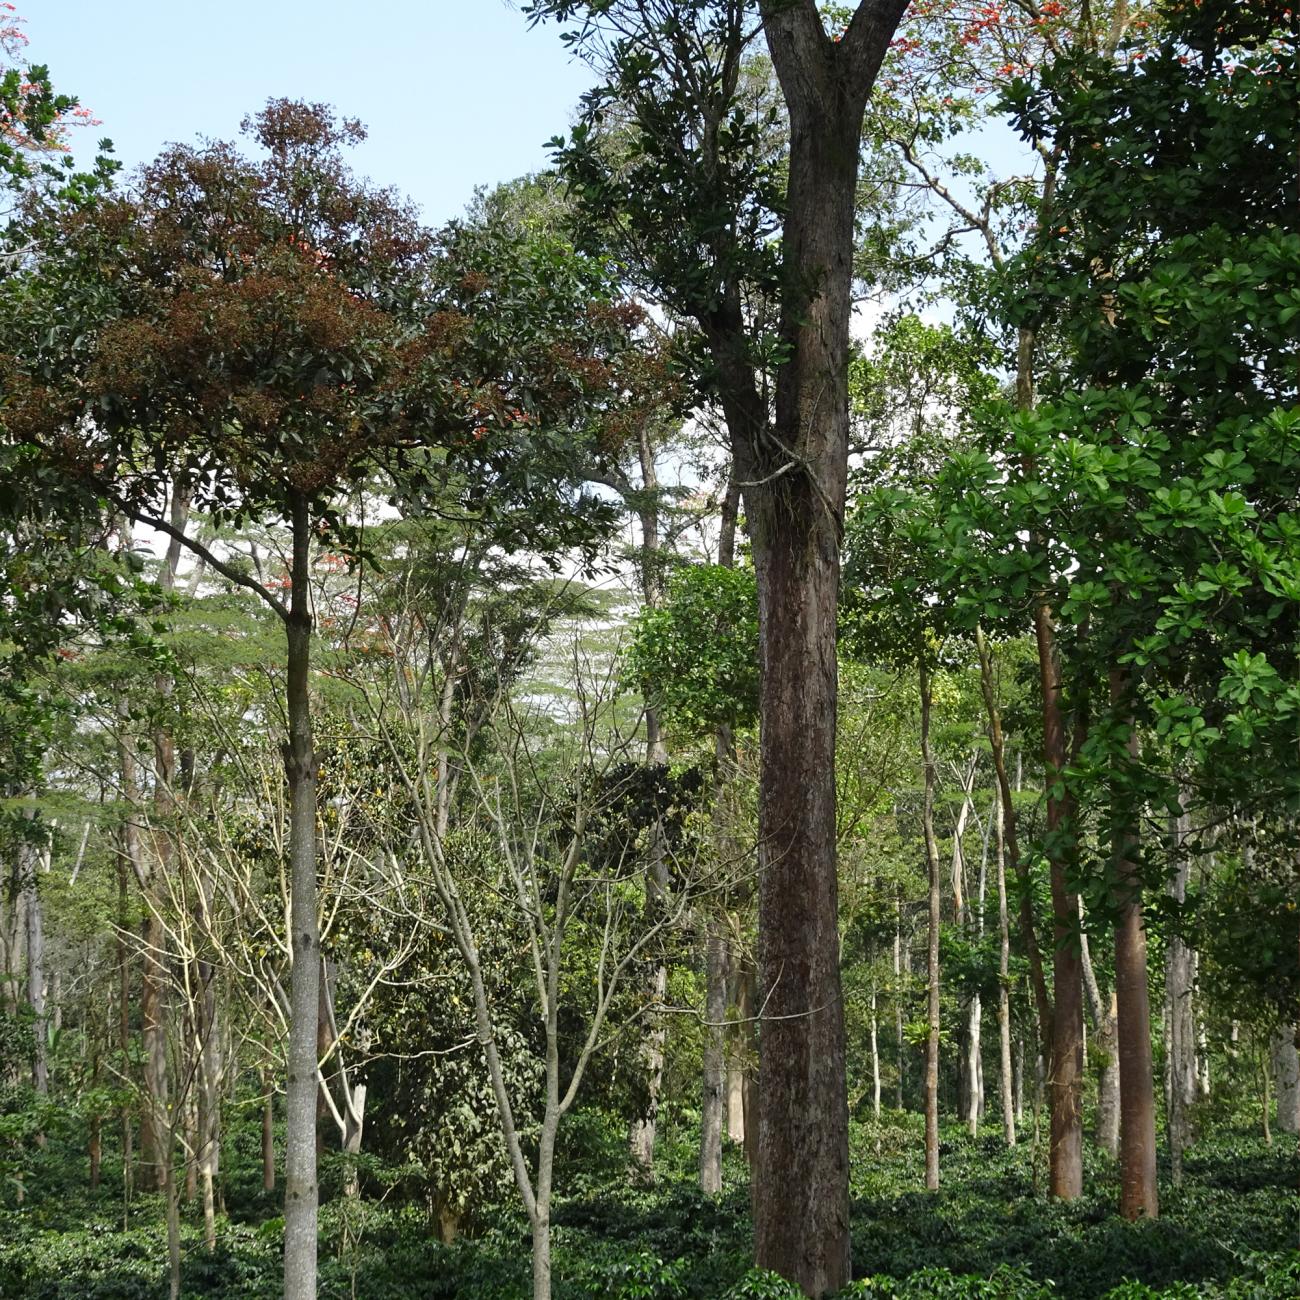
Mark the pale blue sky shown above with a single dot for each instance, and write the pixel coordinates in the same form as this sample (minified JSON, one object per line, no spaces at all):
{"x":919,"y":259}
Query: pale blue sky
{"x":455,"y":93}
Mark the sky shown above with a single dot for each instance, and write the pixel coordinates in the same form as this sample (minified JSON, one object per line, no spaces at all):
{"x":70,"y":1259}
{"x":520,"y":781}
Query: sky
{"x":455,"y":93}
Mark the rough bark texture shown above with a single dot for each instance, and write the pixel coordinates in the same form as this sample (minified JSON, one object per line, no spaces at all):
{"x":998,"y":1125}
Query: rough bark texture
{"x":932,"y":948}
{"x":796,"y":476}
{"x":300,"y":1190}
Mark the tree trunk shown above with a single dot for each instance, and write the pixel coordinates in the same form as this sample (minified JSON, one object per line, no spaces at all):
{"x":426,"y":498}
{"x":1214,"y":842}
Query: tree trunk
{"x":1108,"y":1081}
{"x":153,"y":977}
{"x":1266,"y":1104}
{"x":1005,"y":1075}
{"x":1285,"y":1062}
{"x":932,"y":949}
{"x":712,"y":1103}
{"x":1010,"y":841}
{"x":1065,"y":1158}
{"x":875,"y":1058}
{"x":747,"y":1032}
{"x":1180,"y":1019}
{"x":354,"y":1119}
{"x":1106,"y":1049}
{"x":1139,"y":1196}
{"x":740,"y":1039}
{"x":268,"y":1137}
{"x":1020,"y":1081}
{"x":34,"y":917}
{"x":124,"y":1010}
{"x":300,"y":1189}
{"x":172,"y":1204}
{"x":541,"y":1228}
{"x":191,"y":1122}
{"x":797,"y":475}
{"x":900,"y":1040}
{"x":641,"y":1138}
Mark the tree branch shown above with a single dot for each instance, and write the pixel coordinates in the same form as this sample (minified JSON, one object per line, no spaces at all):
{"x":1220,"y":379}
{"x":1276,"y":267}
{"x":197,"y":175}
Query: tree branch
{"x":197,"y":548}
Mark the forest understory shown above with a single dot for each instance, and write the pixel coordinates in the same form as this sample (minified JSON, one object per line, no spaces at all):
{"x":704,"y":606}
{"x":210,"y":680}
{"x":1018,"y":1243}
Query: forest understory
{"x":1230,"y":1230}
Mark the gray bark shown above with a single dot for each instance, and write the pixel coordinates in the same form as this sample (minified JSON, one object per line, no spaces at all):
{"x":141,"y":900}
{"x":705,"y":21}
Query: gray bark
{"x":1285,"y":1063}
{"x":1104,"y":1014}
{"x":301,"y":1194}
{"x":713,"y":1100}
{"x":34,"y":919}
{"x":1180,"y":1019}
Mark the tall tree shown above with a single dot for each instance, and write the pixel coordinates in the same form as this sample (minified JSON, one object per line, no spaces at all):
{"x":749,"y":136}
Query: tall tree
{"x":693,"y":178}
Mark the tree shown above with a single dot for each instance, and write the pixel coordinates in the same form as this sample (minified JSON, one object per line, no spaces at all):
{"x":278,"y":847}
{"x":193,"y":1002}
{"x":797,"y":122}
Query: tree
{"x":263,"y":331}
{"x":698,"y":191}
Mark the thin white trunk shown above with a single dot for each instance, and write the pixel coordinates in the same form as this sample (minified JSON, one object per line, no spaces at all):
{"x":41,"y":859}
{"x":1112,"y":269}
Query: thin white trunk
{"x":875,"y":1058}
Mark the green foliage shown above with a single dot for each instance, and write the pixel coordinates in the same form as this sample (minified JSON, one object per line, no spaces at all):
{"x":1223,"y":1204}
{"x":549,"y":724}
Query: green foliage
{"x":1228,"y":1235}
{"x":695,"y":657}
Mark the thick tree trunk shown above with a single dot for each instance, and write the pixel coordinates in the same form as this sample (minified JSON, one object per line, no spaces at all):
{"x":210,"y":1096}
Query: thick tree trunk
{"x":300,"y":1188}
{"x":796,"y":476}
{"x":1139,"y":1196}
{"x":932,"y":949}
{"x":802,"y":1190}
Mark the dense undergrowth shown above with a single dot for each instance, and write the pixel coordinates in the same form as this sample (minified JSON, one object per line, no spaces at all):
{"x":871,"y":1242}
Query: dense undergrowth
{"x":1231,"y":1230}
